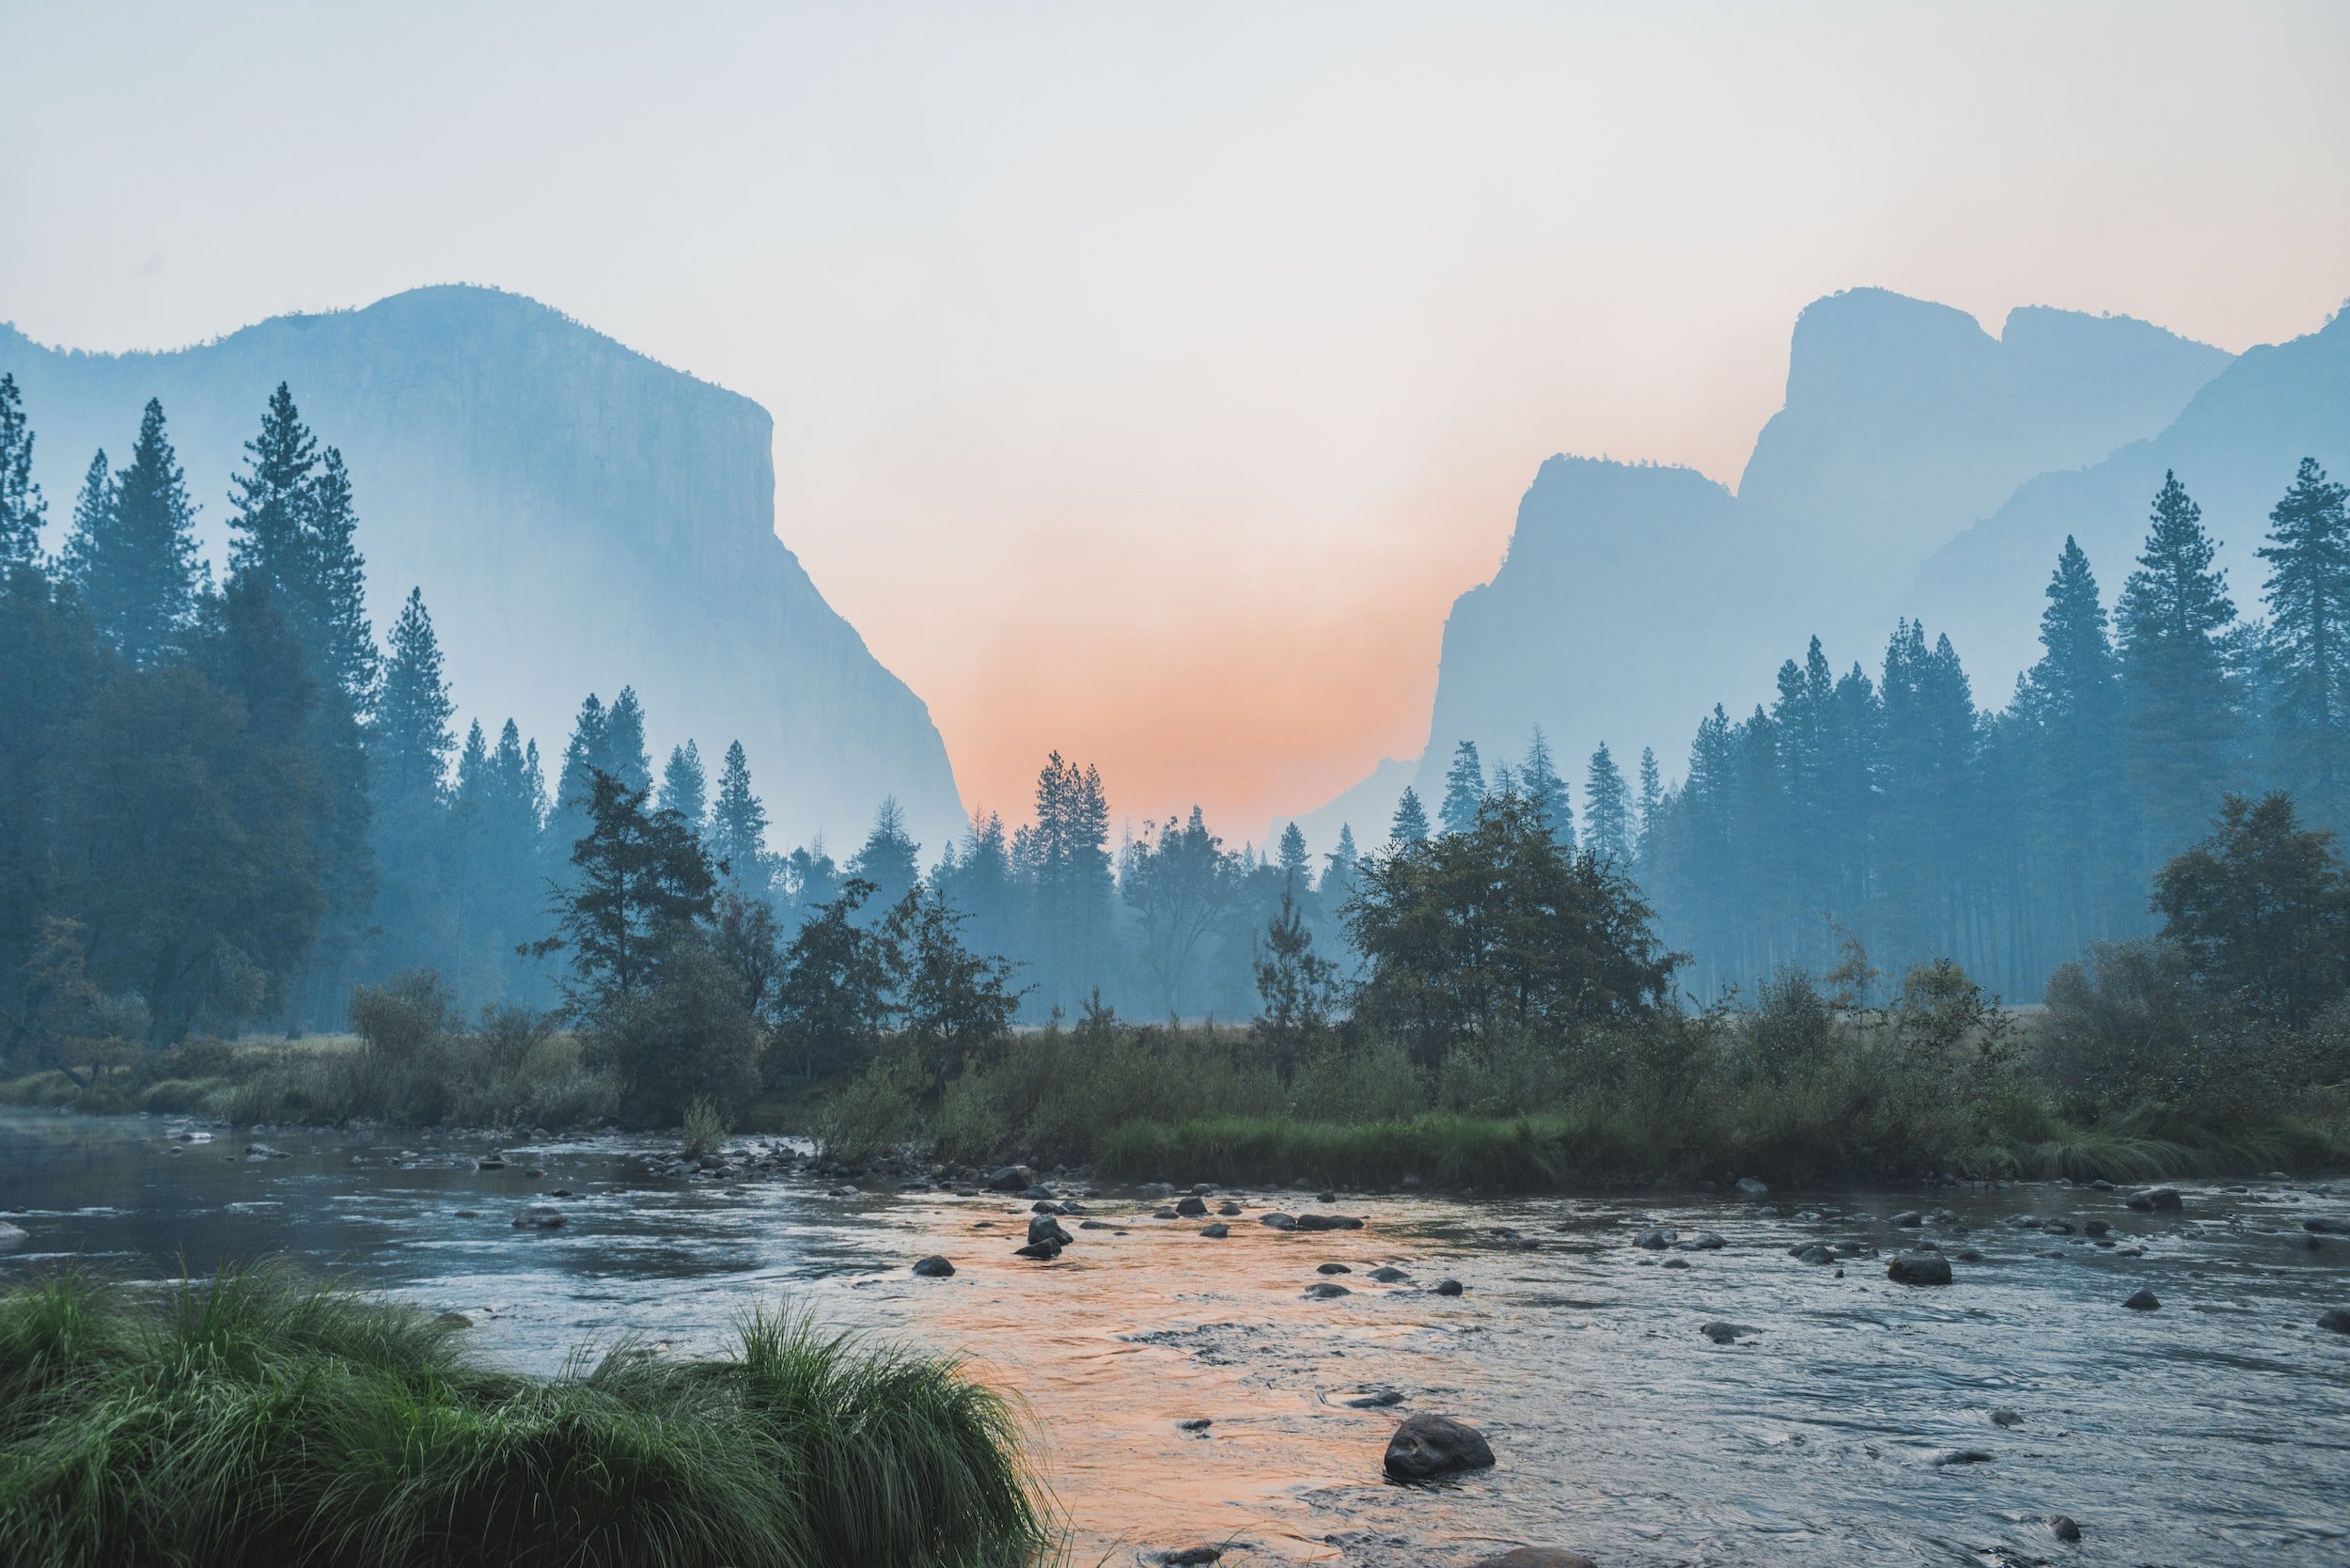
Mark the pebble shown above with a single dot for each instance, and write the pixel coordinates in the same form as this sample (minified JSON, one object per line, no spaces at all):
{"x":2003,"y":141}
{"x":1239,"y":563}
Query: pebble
{"x":933,"y":1267}
{"x":1324,"y":1289}
{"x":1454,"y":1287}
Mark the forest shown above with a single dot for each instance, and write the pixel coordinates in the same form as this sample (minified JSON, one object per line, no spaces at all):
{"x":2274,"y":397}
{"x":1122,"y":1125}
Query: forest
{"x":228,"y":810}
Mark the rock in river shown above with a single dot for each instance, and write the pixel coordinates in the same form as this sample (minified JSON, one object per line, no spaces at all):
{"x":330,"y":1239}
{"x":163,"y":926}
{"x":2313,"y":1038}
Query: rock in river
{"x":1011,"y":1178}
{"x":1216,"y":1232}
{"x":1387,"y":1273}
{"x":1449,"y":1287}
{"x":1332,"y":1268}
{"x":12,"y":1237}
{"x":1429,"y":1446}
{"x":1044,"y":1228}
{"x":2154,"y":1197}
{"x":1534,"y":1556}
{"x":1725,"y":1333}
{"x":2334,"y":1319}
{"x":934,"y":1268}
{"x":539,"y":1217}
{"x":2063,"y":1529}
{"x":1750,"y":1186}
{"x":1657,"y":1238}
{"x":1192,"y":1206}
{"x":1323,"y":1290}
{"x":1919,"y":1268}
{"x":1278,"y":1221}
{"x":2144,"y":1301}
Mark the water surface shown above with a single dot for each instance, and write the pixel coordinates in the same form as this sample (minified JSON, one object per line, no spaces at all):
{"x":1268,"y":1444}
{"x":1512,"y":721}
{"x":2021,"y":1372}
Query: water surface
{"x":2215,"y":1430}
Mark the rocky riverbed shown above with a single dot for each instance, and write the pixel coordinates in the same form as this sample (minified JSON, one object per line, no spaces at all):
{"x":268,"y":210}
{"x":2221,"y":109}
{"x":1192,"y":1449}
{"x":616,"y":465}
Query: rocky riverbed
{"x":1659,"y":1379}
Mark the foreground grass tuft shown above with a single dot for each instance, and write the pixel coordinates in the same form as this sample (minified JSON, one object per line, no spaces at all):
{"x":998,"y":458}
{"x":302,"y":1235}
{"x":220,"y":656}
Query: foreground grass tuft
{"x":260,"y":1417}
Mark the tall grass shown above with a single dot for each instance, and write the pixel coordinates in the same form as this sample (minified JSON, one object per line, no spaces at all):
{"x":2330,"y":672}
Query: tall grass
{"x":260,"y":1419}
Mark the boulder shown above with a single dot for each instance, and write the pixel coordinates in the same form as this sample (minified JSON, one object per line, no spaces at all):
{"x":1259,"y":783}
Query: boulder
{"x":1189,"y":1556}
{"x":1919,"y":1268}
{"x":1165,"y":1214}
{"x":2063,"y":1529}
{"x":1387,"y":1273}
{"x":1534,"y":1556}
{"x":1705,"y":1241}
{"x":1657,"y":1238}
{"x":487,"y":1162}
{"x":263,"y":1152}
{"x":1191,"y":1206}
{"x":1449,"y":1287}
{"x":1228,"y":1209}
{"x":1216,"y":1232}
{"x":933,"y":1267}
{"x":2143,"y":1301}
{"x":1909,"y":1218}
{"x":1044,"y":1228}
{"x":1278,"y":1220}
{"x":539,"y":1217}
{"x":2154,"y":1199}
{"x":1373,"y":1399}
{"x":1748,"y":1186}
{"x":1329,"y":1222}
{"x":2004,"y":1417}
{"x":1043,"y":1251}
{"x":1332,"y":1268}
{"x":1325,"y":1290}
{"x":1425,"y":1447}
{"x":1725,"y":1333}
{"x":2334,"y":1320}
{"x":1011,"y":1178}
{"x":2318,"y":1225}
{"x":2097,"y":1227}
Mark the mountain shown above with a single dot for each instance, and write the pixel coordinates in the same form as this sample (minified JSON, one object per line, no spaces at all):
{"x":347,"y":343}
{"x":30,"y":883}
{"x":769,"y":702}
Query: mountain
{"x":2234,"y":447}
{"x":579,"y":517}
{"x":1633,"y":599}
{"x":1904,"y":421}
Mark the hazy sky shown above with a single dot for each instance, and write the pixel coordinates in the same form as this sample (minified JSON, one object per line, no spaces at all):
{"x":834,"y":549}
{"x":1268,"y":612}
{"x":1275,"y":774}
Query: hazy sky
{"x":1148,"y":380}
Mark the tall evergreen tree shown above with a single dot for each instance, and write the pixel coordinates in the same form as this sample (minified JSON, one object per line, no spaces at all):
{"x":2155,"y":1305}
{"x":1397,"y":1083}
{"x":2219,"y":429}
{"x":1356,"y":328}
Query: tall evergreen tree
{"x":2179,"y":704}
{"x":334,"y":595}
{"x":1410,"y":825}
{"x":1607,"y":811}
{"x":410,"y":747}
{"x":889,"y":858}
{"x":2309,"y":643}
{"x":1342,"y":868}
{"x":738,"y":827}
{"x":1652,"y":810}
{"x":1297,"y":866}
{"x":684,"y":789}
{"x":625,"y":758}
{"x":1538,"y":780}
{"x":270,"y":501}
{"x":133,"y":558}
{"x":22,"y":509}
{"x":2070,"y":704}
{"x":1464,"y":790}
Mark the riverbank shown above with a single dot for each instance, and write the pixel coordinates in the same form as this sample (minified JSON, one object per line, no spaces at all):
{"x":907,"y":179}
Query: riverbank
{"x":256,"y":1417}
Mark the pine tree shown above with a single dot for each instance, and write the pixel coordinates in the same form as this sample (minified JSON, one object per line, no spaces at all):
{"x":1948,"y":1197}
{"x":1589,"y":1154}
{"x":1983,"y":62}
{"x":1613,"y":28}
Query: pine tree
{"x":1464,"y":790}
{"x":1341,"y":870}
{"x":1539,"y":782}
{"x":1652,"y":810}
{"x":684,"y":789}
{"x":2179,"y":702}
{"x":738,"y":827}
{"x":586,"y":753}
{"x":335,"y":589}
{"x":22,"y":509}
{"x":1410,"y":825}
{"x":1297,"y":866}
{"x":2309,"y":643}
{"x":412,"y":739}
{"x":889,"y":858}
{"x":2070,"y":705}
{"x":1607,"y":811}
{"x":271,"y":500}
{"x":625,"y":758}
{"x":133,"y":554}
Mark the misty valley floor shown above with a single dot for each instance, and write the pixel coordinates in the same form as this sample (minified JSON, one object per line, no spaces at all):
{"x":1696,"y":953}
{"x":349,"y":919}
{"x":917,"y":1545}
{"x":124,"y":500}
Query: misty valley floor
{"x":2208,"y":1430}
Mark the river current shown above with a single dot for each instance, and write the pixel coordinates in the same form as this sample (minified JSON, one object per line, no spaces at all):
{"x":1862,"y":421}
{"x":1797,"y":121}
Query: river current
{"x":1833,"y":1417}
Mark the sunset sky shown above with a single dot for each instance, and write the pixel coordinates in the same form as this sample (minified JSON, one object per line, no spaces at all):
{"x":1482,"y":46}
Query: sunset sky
{"x":1148,"y":381}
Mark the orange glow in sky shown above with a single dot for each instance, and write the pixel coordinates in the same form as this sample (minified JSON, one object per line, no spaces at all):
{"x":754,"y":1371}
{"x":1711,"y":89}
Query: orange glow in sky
{"x":1148,"y":380}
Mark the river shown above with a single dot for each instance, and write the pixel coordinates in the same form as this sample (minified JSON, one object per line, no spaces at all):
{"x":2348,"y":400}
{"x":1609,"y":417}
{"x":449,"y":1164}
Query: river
{"x":2213,"y":1429}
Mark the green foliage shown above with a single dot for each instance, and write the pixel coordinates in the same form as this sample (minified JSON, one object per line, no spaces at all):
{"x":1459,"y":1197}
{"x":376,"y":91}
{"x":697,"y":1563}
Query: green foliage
{"x":687,"y":1037}
{"x":2261,"y":910}
{"x":257,"y":1417}
{"x":873,"y":1113}
{"x":1492,"y":925}
{"x":705,"y":1128}
{"x":640,"y":887}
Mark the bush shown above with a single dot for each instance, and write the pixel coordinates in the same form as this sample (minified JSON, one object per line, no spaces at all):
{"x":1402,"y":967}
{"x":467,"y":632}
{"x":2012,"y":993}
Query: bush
{"x":260,"y":1418}
{"x":688,"y":1037}
{"x":872,"y":1114}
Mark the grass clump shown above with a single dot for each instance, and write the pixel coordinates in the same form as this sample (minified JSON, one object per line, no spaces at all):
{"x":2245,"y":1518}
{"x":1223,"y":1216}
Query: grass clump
{"x":260,"y":1417}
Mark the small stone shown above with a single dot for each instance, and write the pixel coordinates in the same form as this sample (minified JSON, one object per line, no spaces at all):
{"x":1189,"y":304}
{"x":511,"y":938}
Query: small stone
{"x":2004,"y":1417}
{"x":2335,"y":1320}
{"x":1388,"y":1275}
{"x":1919,"y":1268}
{"x":1909,"y":1218}
{"x":1961,"y":1456}
{"x":1044,"y":1228}
{"x":1427,"y":1445}
{"x":1751,"y":1187}
{"x":1277,"y":1220}
{"x":1324,"y":1289}
{"x":1534,"y":1556}
{"x":540,"y":1216}
{"x":1216,"y":1232}
{"x":1332,"y":1268}
{"x":1449,"y":1287}
{"x":2063,"y":1529}
{"x":1165,"y":1214}
{"x":1011,"y":1178}
{"x":933,"y":1267}
{"x":2096,"y":1227}
{"x":2144,"y":1301}
{"x":1676,"y":1263}
{"x":1044,"y":1251}
{"x":1373,"y":1399}
{"x":1228,"y":1209}
{"x":1725,"y":1333}
{"x":1197,"y":1423}
{"x":1191,"y":1206}
{"x":1192,"y":1556}
{"x":1657,"y":1238}
{"x":454,"y":1319}
{"x":2154,"y":1197}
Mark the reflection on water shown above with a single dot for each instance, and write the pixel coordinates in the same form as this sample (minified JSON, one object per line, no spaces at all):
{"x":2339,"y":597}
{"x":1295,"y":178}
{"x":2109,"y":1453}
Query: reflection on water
{"x":2215,"y":1430}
